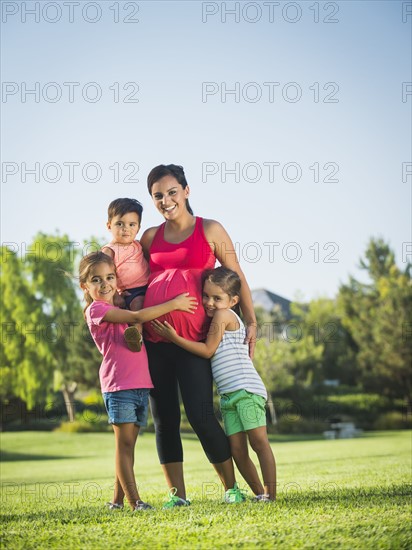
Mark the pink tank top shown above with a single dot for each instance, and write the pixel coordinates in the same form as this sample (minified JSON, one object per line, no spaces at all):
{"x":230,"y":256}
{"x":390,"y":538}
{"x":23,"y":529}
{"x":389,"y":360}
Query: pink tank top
{"x":177,"y":268}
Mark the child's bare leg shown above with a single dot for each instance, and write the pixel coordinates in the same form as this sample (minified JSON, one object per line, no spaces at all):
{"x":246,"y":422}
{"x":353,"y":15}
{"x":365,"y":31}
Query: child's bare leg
{"x":226,"y":473}
{"x":259,"y":442}
{"x":118,"y":495}
{"x":239,"y":449}
{"x":126,"y":435}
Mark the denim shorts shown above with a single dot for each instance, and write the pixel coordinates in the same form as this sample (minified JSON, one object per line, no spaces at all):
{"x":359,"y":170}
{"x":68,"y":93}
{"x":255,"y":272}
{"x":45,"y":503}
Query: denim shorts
{"x":126,"y":406}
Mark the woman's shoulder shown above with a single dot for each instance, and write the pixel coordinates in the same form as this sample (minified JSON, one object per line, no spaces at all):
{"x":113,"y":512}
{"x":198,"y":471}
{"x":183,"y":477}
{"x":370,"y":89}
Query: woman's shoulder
{"x":148,"y":236}
{"x":210,"y":223}
{"x":212,"y":227}
{"x":218,"y":238}
{"x":150,"y":231}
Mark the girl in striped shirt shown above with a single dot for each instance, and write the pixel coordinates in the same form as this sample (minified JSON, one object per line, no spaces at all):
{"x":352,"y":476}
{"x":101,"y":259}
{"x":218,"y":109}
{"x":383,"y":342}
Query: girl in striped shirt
{"x":242,"y":392}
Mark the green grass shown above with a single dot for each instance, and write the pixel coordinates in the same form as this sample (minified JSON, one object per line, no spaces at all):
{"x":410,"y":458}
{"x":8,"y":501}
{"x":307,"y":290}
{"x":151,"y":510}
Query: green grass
{"x":347,"y":494}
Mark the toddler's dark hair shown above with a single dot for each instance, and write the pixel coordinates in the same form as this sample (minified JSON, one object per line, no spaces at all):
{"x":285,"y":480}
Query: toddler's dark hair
{"x":120,"y":207}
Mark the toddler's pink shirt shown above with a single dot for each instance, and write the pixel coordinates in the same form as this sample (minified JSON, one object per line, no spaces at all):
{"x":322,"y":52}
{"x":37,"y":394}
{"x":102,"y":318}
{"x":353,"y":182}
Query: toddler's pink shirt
{"x":121,"y":369}
{"x":132,"y":269}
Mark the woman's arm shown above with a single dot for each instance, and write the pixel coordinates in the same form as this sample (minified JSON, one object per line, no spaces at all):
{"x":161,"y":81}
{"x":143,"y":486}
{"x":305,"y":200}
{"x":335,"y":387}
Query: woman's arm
{"x":204,"y":349}
{"x":147,"y":239}
{"x":225,"y":252}
{"x":183,"y":302}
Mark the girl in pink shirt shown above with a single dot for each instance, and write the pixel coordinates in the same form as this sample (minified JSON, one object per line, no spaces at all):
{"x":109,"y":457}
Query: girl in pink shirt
{"x":124,"y":376}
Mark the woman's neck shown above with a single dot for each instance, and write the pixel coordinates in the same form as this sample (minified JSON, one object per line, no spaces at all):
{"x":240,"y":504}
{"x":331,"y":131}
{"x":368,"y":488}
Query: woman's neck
{"x":178,"y":230}
{"x":182,"y":223}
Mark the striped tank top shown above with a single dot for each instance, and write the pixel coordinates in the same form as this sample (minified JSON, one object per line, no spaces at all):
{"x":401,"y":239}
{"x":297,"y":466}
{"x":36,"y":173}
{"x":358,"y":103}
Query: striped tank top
{"x":232,"y":367}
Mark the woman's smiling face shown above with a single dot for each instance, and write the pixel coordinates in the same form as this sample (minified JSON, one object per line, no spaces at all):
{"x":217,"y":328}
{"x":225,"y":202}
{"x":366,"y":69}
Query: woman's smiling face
{"x":169,"y":197}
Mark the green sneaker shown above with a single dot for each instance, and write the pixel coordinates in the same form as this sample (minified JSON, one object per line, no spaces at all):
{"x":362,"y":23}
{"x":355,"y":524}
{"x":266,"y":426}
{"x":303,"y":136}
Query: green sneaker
{"x":235,"y":495}
{"x":175,"y":501}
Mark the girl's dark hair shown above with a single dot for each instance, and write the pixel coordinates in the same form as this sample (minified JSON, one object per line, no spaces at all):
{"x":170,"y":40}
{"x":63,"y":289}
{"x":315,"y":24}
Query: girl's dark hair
{"x":120,"y":207}
{"x":86,"y":265}
{"x":159,"y":172}
{"x":227,"y":280}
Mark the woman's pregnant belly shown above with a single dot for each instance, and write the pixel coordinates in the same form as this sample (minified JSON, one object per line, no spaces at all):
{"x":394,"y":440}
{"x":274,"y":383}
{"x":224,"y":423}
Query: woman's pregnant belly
{"x":167,"y":285}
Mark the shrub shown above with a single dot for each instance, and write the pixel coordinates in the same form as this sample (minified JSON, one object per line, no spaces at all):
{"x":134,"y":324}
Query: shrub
{"x":85,"y":424}
{"x":393,"y":421}
{"x":94,"y":399}
{"x":364,"y":408}
{"x":361,"y":402}
{"x":290,"y":425}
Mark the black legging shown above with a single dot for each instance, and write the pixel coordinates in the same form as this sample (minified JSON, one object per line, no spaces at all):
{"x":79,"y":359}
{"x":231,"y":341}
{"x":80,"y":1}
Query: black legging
{"x":169,"y":366}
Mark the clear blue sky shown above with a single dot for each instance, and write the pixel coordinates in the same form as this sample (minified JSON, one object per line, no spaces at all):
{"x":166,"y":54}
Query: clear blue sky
{"x":311,"y":100}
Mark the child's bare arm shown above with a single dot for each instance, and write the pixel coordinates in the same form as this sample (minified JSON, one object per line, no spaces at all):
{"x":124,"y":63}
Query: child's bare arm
{"x":108,"y":251}
{"x":183,"y":302}
{"x":203,"y":349}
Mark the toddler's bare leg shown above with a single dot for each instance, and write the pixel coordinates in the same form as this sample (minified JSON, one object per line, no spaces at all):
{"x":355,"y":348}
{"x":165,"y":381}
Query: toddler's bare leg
{"x":133,"y":334}
{"x":137,"y":305}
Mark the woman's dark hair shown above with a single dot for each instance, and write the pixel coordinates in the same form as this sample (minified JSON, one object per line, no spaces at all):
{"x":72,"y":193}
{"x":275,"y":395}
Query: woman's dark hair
{"x":226,"y":279}
{"x":159,"y":172}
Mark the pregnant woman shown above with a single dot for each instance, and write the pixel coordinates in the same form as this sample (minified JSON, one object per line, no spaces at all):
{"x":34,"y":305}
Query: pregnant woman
{"x":179,"y":251}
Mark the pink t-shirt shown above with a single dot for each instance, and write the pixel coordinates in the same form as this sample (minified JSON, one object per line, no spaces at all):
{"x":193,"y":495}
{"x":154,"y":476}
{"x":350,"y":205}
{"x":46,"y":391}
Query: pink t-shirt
{"x":121,"y":369}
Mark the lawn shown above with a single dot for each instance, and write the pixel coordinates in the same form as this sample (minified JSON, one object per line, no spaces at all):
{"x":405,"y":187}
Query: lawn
{"x":344,"y":493}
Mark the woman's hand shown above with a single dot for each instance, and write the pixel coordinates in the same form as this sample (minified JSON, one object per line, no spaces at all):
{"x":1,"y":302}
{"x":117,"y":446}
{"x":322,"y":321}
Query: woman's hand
{"x":164,"y":329}
{"x":184,"y":302}
{"x":250,"y":339}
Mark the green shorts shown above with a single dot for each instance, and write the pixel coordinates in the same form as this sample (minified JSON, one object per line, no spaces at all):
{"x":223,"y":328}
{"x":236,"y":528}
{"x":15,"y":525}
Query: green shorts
{"x":242,"y":411}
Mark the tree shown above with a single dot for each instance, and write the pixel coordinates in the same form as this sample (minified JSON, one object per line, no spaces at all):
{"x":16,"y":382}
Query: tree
{"x":287,"y":363}
{"x":321,"y":321}
{"x":45,"y":343}
{"x":27,"y":362}
{"x":53,"y":274}
{"x":378,"y":316}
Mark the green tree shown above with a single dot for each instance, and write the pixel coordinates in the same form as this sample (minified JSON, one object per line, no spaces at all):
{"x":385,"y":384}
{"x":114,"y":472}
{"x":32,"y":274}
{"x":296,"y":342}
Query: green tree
{"x":274,"y":362}
{"x":27,"y":361}
{"x":321,"y":321}
{"x":52,"y":272}
{"x":378,"y":316}
{"x":288,"y":359}
{"x":45,"y":343}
